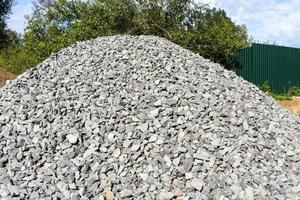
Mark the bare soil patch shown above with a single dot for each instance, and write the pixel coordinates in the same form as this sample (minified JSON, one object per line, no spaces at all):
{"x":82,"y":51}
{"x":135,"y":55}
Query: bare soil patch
{"x":293,"y":106}
{"x":4,"y":76}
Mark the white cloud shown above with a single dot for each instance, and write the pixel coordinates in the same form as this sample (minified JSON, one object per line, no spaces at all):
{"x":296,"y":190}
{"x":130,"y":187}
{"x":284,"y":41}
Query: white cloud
{"x":17,"y":20}
{"x":269,"y":20}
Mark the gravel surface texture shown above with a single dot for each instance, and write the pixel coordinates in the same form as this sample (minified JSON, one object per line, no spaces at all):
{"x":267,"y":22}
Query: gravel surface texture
{"x":141,"y":118}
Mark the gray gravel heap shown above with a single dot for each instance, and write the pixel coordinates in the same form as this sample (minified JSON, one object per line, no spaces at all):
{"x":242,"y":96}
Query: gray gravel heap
{"x":142,"y":118}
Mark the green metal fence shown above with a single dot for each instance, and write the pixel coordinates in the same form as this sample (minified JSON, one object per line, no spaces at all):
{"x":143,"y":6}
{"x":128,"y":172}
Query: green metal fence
{"x":276,"y":64}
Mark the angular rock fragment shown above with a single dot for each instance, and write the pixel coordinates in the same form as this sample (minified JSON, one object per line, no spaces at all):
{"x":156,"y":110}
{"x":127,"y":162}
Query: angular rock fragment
{"x":165,"y":195}
{"x":197,"y":184}
{"x":138,"y":117}
{"x":72,"y":138}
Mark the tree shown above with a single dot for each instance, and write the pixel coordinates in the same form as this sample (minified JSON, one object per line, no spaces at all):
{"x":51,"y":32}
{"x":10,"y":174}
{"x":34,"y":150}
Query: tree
{"x":5,"y":9}
{"x":12,"y":38}
{"x":218,"y":38}
{"x":56,"y":24}
{"x":40,"y":8}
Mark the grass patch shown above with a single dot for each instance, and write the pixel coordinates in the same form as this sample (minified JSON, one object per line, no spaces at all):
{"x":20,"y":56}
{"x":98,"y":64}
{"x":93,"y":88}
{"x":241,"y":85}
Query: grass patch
{"x":281,"y":97}
{"x":294,"y":91}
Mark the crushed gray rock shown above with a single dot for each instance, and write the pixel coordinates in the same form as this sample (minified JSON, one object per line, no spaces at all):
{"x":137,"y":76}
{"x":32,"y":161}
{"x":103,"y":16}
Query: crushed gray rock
{"x":141,"y":118}
{"x":165,"y":195}
{"x":197,"y":184}
{"x":72,"y":138}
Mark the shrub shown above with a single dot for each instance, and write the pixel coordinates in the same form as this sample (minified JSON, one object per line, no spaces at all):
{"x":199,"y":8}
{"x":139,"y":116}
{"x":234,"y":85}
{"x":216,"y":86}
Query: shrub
{"x":294,"y":91}
{"x":266,"y":87}
{"x":281,"y":97}
{"x":16,"y":59}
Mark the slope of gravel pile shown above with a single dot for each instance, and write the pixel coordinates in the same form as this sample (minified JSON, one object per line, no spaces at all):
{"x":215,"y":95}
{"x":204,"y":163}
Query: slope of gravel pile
{"x":142,"y":118}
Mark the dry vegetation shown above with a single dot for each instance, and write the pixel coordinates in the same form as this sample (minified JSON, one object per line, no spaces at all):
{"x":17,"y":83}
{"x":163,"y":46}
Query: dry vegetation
{"x":293,"y":106}
{"x":4,"y":76}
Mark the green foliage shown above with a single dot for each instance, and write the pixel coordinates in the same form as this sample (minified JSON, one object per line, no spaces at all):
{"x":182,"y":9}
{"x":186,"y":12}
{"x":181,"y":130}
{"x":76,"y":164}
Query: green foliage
{"x":13,"y":56}
{"x":12,"y":38}
{"x":56,"y":24}
{"x":280,"y":97}
{"x":5,"y":9}
{"x":265,"y":87}
{"x":294,"y":91}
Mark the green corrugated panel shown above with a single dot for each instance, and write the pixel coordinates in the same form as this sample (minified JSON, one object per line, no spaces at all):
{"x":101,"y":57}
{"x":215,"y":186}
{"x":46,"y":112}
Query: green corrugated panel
{"x":279,"y":65}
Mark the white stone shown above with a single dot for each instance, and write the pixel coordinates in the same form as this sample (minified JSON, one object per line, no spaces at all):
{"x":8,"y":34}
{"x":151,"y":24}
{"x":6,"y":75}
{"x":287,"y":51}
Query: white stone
{"x":153,"y":138}
{"x":72,"y":138}
{"x":189,"y":175}
{"x":176,"y":161}
{"x":181,"y":135}
{"x":168,"y":161}
{"x":135,"y":147}
{"x":197,"y":184}
{"x":246,"y":126}
{"x":143,"y":127}
{"x":144,"y":176}
{"x":116,"y":153}
{"x":165,"y":195}
{"x":111,"y":136}
{"x":249,"y":193}
{"x":154,"y":113}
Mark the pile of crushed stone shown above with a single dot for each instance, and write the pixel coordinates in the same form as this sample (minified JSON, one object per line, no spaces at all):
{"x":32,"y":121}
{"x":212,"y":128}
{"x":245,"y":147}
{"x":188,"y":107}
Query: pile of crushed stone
{"x":138,"y":117}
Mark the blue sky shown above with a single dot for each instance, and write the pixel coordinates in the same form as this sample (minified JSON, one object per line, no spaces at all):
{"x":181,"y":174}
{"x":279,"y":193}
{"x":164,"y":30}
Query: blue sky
{"x":17,"y":19}
{"x":267,"y":20}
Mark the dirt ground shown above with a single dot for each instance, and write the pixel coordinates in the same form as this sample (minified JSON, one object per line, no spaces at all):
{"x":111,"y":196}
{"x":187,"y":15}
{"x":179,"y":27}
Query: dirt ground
{"x":4,"y":76}
{"x":293,"y":106}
